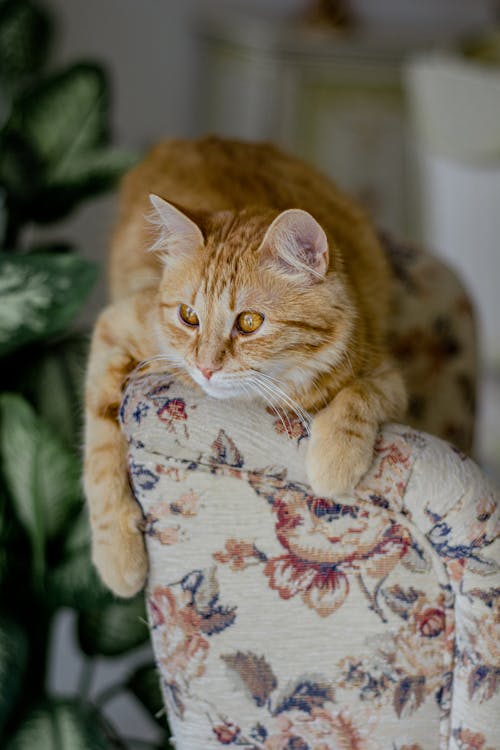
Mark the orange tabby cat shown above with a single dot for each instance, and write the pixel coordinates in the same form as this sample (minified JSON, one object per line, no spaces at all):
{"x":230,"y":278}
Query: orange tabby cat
{"x":263,"y":281}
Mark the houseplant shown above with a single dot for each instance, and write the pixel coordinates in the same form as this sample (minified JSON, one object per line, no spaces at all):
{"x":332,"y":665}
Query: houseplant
{"x":54,"y":154}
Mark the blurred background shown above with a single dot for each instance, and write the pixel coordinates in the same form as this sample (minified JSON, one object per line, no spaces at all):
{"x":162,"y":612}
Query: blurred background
{"x":397,"y":100}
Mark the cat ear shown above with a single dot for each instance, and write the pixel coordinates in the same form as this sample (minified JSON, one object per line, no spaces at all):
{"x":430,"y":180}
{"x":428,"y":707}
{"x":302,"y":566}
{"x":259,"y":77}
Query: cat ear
{"x":177,"y":234}
{"x":297,"y":245}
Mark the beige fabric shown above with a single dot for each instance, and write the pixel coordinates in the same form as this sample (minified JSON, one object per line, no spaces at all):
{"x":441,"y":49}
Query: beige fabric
{"x":283,"y":621}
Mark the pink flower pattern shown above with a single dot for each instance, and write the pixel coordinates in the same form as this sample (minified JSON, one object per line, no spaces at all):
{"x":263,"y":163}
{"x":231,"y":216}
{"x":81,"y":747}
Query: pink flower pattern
{"x":325,"y":544}
{"x":323,"y":551}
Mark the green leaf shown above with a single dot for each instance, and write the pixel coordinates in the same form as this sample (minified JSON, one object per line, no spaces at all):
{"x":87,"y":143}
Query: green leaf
{"x":48,"y":476}
{"x":15,"y":555}
{"x":144,"y":683}
{"x":78,"y":536}
{"x":40,"y":295}
{"x":24,"y":40}
{"x":52,"y":150}
{"x":94,"y":170}
{"x":61,"y":370}
{"x":74,"y":581}
{"x":13,"y":653}
{"x":114,"y":629}
{"x":4,"y":533}
{"x":54,"y":247}
{"x":64,"y":116}
{"x":61,"y":725}
{"x":42,"y":475}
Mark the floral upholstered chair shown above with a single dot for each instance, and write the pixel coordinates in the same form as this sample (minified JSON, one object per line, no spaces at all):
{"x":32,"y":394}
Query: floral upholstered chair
{"x":285,"y":621}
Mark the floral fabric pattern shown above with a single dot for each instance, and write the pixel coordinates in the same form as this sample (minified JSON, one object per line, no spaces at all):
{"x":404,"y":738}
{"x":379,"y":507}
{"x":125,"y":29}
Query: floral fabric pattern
{"x":285,"y":621}
{"x":433,"y":338}
{"x":316,"y":560}
{"x":183,"y":616}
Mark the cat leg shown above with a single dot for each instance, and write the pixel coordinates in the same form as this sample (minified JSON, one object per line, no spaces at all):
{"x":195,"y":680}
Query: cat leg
{"x":343,"y":434}
{"x":118,"y":550}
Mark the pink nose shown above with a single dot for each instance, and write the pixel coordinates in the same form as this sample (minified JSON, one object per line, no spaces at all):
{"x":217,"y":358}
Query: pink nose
{"x":207,"y":371}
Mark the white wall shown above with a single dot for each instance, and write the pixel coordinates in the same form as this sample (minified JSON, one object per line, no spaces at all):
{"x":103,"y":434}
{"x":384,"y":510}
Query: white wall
{"x":150,"y":52}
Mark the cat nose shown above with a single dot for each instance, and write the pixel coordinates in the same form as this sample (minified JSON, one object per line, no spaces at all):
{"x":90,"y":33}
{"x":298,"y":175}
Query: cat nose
{"x":208,"y":371}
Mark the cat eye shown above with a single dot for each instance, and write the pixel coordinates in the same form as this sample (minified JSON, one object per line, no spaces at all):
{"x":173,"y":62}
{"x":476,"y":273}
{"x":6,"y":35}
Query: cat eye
{"x":188,"y":316}
{"x":249,"y":321}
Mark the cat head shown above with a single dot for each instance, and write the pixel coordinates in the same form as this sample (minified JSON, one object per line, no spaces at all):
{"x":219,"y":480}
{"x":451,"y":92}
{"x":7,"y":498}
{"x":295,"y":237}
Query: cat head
{"x":251,"y":300}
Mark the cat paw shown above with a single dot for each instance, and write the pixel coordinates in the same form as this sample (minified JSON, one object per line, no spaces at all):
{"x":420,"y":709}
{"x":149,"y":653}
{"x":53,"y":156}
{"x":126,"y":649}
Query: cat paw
{"x":120,"y":556}
{"x":336,"y":465}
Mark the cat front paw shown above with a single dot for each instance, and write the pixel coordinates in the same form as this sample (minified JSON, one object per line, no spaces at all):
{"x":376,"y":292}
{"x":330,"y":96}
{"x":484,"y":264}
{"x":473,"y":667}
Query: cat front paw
{"x":336,"y":461}
{"x":120,"y":554}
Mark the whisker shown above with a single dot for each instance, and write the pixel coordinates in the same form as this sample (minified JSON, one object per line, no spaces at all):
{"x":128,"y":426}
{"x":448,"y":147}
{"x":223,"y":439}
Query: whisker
{"x":258,"y":388}
{"x":177,"y":365}
{"x":246,"y":389}
{"x":346,"y":355}
{"x":301,"y":413}
{"x":280,"y":397}
{"x":320,"y":393}
{"x":314,"y":385}
{"x":254,"y":386}
{"x":287,"y":404}
{"x":271,"y":393}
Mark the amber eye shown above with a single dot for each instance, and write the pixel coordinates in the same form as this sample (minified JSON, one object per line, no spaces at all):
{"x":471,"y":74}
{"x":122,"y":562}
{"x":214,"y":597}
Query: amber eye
{"x":248,"y":321}
{"x":188,"y":316}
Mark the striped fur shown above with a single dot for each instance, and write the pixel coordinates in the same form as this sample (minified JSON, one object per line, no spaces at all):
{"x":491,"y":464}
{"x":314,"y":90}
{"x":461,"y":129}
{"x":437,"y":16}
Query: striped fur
{"x":321,"y":348}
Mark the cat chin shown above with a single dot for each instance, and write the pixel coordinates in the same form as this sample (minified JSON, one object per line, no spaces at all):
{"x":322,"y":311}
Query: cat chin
{"x":223,"y":391}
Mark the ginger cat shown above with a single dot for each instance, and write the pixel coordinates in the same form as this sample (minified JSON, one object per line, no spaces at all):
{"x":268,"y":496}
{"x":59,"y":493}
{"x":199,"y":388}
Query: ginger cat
{"x":262,"y":280}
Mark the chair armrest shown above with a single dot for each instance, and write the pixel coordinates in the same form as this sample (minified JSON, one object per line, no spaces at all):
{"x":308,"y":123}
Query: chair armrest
{"x":284,"y":620}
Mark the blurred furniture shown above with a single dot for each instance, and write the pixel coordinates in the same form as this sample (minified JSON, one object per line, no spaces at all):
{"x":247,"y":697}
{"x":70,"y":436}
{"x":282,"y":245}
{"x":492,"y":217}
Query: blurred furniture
{"x":283,"y":620}
{"x":455,"y":108}
{"x":433,"y":337}
{"x":333,"y":97}
{"x":455,"y":105}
